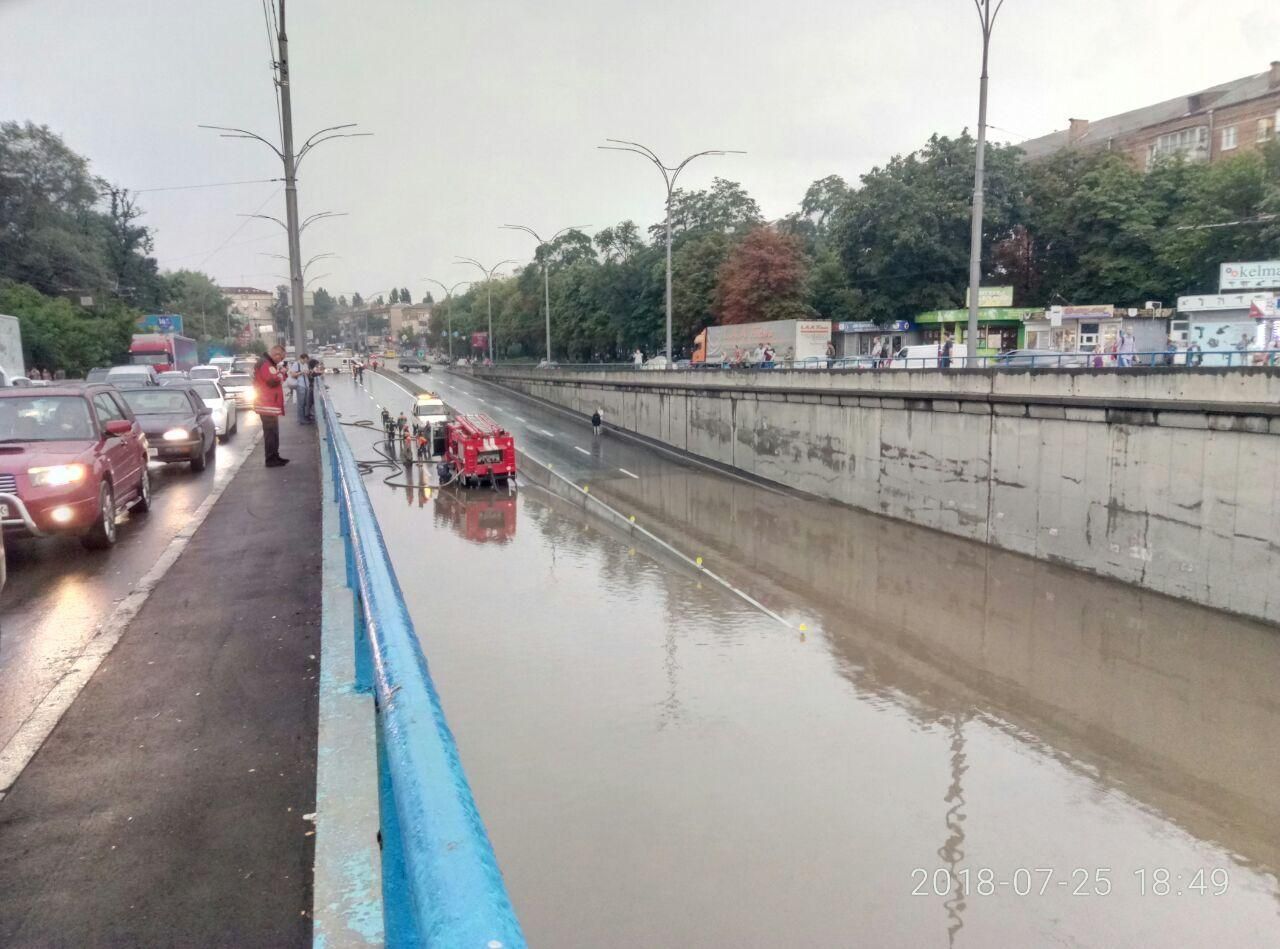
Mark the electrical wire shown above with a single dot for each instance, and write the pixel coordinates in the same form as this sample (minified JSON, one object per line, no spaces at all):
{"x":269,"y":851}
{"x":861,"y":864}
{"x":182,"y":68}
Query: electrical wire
{"x":217,"y":184}
{"x":238,"y":229}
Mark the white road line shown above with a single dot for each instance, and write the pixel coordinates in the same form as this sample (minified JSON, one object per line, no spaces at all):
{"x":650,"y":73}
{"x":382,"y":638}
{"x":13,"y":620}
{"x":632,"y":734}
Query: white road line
{"x":629,"y":474}
{"x":519,"y":419}
{"x":32,"y":733}
{"x":583,"y":450}
{"x":548,"y":434}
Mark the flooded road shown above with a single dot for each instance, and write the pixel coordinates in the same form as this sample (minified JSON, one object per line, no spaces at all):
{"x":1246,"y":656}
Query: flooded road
{"x":963,"y":747}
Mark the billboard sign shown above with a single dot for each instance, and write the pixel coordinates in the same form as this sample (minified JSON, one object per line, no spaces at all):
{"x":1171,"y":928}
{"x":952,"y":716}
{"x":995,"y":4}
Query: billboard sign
{"x":1224,"y":301}
{"x":991,"y":296}
{"x":161,"y":323}
{"x":1255,"y":275}
{"x":479,"y":340}
{"x":867,"y":326}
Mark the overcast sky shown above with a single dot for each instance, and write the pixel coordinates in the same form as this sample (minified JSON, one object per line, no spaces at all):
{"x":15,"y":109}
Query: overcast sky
{"x":487,"y":112}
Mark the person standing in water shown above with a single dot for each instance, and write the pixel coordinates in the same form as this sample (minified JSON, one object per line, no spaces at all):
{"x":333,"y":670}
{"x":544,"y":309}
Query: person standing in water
{"x":596,"y":421}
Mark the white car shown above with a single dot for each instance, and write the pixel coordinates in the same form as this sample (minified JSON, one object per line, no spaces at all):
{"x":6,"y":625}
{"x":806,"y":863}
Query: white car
{"x":239,"y":385}
{"x":210,"y":371}
{"x":225,"y":410}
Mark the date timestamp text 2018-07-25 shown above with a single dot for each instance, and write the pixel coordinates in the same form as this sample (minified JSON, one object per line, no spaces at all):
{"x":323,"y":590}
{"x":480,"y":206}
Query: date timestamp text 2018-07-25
{"x":1078,"y":881}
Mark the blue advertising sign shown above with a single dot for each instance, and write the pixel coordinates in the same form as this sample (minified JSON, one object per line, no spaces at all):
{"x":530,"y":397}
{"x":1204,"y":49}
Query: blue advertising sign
{"x":161,"y":323}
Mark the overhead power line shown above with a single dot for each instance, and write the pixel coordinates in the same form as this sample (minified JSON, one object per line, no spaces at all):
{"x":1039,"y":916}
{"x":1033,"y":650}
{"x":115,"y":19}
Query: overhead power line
{"x":216,"y":184}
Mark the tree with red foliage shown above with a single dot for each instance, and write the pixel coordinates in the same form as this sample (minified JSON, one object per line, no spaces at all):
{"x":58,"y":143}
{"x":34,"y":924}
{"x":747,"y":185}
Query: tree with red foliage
{"x":763,"y":279}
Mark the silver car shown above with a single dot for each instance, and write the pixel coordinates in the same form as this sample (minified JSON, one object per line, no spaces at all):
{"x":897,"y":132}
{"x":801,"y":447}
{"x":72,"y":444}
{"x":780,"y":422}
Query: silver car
{"x":223,"y":404}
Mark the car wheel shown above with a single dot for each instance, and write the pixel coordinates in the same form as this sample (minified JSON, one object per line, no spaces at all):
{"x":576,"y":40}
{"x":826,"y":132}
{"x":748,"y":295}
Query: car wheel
{"x":103,"y":533}
{"x":199,"y":462}
{"x":143,"y":504}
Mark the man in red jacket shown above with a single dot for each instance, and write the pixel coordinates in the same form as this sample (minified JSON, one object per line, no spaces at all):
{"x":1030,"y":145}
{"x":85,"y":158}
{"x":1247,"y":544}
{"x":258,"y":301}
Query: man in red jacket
{"x":268,"y":402}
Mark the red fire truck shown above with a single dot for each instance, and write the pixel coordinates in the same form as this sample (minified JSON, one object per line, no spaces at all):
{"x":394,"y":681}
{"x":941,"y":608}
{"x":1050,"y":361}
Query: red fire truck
{"x":477,"y":451}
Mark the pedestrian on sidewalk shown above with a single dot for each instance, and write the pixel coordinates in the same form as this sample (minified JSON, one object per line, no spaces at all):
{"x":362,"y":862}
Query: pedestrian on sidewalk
{"x":315,"y":376}
{"x":268,"y":402}
{"x":597,"y":419}
{"x":302,"y":383}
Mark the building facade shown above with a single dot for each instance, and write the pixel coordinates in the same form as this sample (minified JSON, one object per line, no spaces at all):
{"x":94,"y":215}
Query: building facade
{"x":254,"y":308}
{"x":1219,"y":122}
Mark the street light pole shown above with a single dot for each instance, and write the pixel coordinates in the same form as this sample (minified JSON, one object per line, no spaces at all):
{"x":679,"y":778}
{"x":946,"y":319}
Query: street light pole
{"x":546,"y":263}
{"x":669,"y":176}
{"x":448,"y":301}
{"x":291,"y":191}
{"x":488,"y":285}
{"x":987,"y":18}
{"x":290,"y":160}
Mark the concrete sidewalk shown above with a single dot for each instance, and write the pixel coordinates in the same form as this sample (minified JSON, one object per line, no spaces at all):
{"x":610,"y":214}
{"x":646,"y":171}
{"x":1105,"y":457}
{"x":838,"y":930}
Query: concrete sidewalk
{"x":171,"y":805}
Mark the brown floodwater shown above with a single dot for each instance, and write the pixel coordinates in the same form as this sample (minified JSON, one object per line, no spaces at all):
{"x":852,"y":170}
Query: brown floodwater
{"x":962,"y":748}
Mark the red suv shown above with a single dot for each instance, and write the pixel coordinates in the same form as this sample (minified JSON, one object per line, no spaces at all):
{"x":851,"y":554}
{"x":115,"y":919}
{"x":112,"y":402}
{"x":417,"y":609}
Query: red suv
{"x":71,"y":457}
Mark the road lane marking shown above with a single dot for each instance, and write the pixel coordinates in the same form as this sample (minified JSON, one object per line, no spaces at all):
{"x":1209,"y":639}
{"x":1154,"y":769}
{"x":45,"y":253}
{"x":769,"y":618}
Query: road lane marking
{"x":583,"y":450}
{"x":629,"y":474}
{"x":548,"y":434}
{"x":36,"y":728}
{"x":519,"y":419}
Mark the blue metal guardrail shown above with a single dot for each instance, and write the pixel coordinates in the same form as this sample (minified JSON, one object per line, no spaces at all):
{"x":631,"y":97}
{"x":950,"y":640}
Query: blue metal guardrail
{"x":441,"y":883}
{"x":1019,"y":359}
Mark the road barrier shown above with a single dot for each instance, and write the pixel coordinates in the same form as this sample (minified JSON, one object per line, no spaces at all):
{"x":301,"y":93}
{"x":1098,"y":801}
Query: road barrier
{"x":1220,"y":358}
{"x":441,"y":883}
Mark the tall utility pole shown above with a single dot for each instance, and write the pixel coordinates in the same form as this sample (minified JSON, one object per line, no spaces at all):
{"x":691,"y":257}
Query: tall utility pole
{"x":545,"y":248}
{"x":291,"y":161}
{"x":297,"y":290}
{"x":669,"y":175}
{"x":488,"y":286}
{"x":448,"y":300}
{"x":987,"y":17}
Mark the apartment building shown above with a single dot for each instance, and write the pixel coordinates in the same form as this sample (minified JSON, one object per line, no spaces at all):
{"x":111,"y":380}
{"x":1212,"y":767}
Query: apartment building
{"x":1208,"y":125}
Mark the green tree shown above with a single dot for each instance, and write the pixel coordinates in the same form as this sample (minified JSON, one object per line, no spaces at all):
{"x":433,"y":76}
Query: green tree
{"x":56,"y":334}
{"x":903,"y":236}
{"x":695,"y":270}
{"x":198,"y":300}
{"x":395,"y":295}
{"x":50,"y":232}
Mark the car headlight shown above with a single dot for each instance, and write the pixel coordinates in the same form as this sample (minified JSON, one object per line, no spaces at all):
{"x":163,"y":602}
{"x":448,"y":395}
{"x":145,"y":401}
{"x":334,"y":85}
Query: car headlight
{"x":177,"y":435}
{"x":56,"y":476}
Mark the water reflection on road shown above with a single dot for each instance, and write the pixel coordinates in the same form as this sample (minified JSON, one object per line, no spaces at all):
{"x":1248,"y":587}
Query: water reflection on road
{"x":661,"y":765}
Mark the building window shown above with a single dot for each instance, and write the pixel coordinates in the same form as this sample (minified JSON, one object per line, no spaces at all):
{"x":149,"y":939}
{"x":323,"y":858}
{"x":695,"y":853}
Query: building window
{"x":1228,"y":138}
{"x":1266,"y":129}
{"x":1193,"y":143}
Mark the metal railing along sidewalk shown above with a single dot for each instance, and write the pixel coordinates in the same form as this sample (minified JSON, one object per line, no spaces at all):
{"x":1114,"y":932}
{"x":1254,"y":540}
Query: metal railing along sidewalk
{"x":441,"y":883}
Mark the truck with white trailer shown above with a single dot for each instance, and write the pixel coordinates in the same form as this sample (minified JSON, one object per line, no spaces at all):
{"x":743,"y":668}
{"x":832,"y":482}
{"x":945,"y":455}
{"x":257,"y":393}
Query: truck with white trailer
{"x":797,"y":343}
{"x":12,"y":365}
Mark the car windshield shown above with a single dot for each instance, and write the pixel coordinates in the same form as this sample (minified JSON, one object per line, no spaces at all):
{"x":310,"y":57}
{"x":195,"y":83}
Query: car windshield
{"x":157,"y":401}
{"x":236,"y":379}
{"x":210,"y":372}
{"x":206,"y":390}
{"x":48,"y":418}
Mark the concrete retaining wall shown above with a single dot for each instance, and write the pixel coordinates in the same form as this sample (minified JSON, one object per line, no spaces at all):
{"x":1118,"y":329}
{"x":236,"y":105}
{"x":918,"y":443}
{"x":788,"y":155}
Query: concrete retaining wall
{"x":1166,"y":479}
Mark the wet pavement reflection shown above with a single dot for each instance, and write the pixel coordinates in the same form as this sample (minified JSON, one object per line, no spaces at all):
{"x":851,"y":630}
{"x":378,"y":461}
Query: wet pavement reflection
{"x":964,"y":747}
{"x":58,"y":594}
